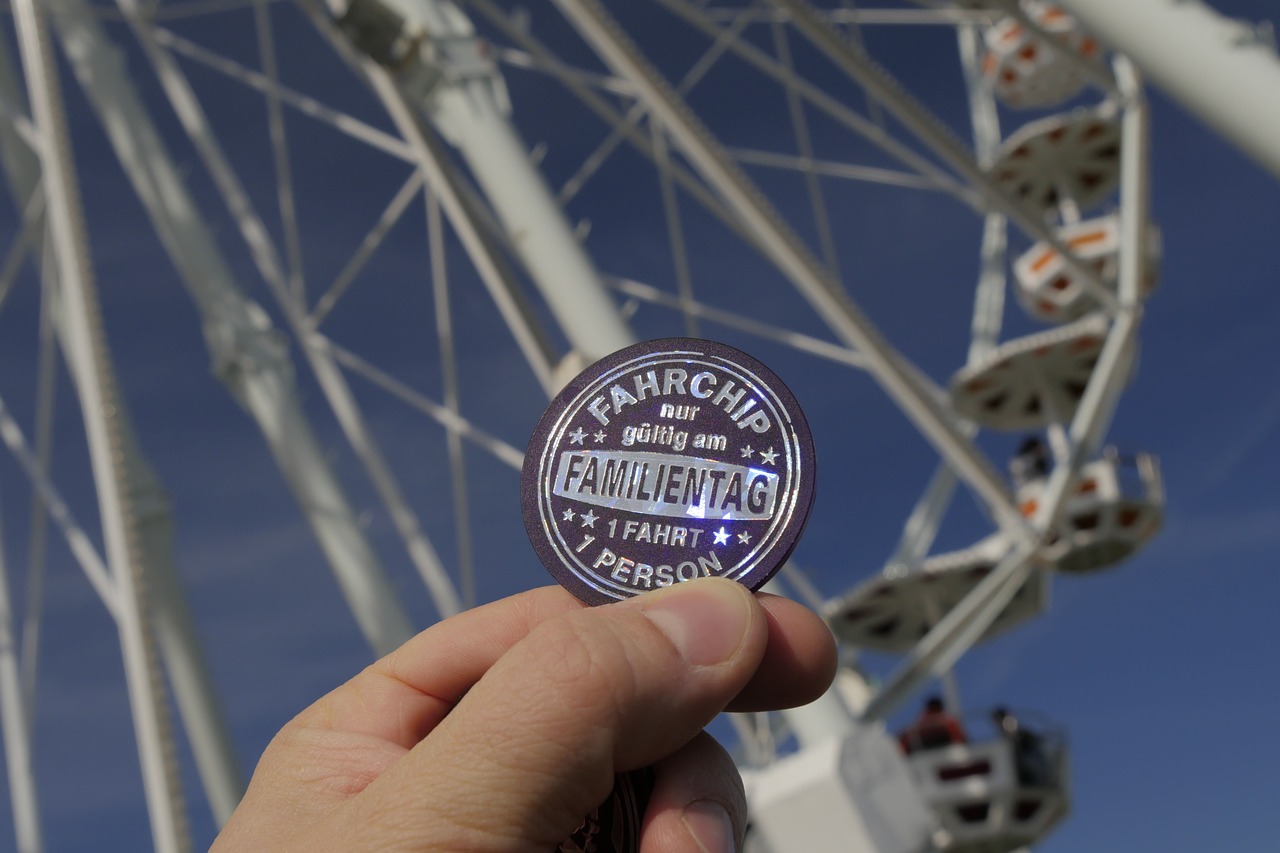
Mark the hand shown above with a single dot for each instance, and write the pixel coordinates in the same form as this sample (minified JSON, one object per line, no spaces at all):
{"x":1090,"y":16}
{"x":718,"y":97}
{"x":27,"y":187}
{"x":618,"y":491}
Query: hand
{"x":500,"y":728}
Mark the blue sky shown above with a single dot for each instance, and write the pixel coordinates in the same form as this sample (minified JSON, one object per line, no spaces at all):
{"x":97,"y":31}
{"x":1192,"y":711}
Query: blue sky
{"x":1158,"y":668}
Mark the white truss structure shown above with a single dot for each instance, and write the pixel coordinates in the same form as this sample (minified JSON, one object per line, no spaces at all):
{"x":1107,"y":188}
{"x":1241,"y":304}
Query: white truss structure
{"x":444,"y":93}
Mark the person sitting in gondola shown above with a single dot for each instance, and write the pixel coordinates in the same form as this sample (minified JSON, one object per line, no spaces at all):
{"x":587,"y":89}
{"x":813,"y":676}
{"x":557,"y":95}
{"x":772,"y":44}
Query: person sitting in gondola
{"x":1029,"y":756}
{"x":933,"y":729}
{"x":1031,"y":462}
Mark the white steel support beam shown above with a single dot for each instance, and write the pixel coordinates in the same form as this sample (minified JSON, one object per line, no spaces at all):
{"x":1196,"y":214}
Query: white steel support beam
{"x":468,"y":222}
{"x":955,"y":633}
{"x":988,"y":308}
{"x":38,"y":531}
{"x":16,"y":726}
{"x":871,"y":131}
{"x":827,"y":717}
{"x":622,"y":123}
{"x":78,"y":542}
{"x":900,"y":379}
{"x":246,"y":351}
{"x":936,"y":135}
{"x":188,"y":672}
{"x":1114,"y":362}
{"x":96,"y":387}
{"x":922,"y":525}
{"x":968,"y":620}
{"x":449,"y":376}
{"x":537,"y":227}
{"x":1223,"y":71}
{"x":795,"y":340}
{"x":337,"y":392}
{"x":470,"y":110}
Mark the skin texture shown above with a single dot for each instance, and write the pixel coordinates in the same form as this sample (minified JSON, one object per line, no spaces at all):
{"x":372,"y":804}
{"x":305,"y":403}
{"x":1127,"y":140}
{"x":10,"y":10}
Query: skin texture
{"x":498,"y":729}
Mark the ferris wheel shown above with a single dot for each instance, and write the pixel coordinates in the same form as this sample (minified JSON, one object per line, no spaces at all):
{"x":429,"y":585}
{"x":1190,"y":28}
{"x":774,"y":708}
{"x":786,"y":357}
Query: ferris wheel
{"x":384,"y":258}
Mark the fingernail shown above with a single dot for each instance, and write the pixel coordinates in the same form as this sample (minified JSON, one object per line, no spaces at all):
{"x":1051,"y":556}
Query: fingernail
{"x":706,"y":620}
{"x":709,"y":824}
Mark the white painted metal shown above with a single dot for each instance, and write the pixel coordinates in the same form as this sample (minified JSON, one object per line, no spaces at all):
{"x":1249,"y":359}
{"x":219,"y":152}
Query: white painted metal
{"x":355,"y":128}
{"x":465,"y":214}
{"x":1223,"y":71}
{"x":189,"y":677}
{"x":499,"y":449}
{"x":966,"y":622}
{"x":902,"y":381}
{"x":934,"y":133}
{"x":449,"y":375}
{"x":625,"y":126}
{"x":16,"y":724}
{"x":1102,"y":393}
{"x":675,"y":233}
{"x":804,"y":145}
{"x":1095,"y":72}
{"x":470,"y":109}
{"x":82,"y":550}
{"x":955,"y":633}
{"x":37,"y":538}
{"x":992,"y":793}
{"x":395,"y":209}
{"x":314,"y":347}
{"x":247,"y":353}
{"x":462,"y":210}
{"x":852,"y":793}
{"x":22,"y":170}
{"x":280,"y":150}
{"x":869,"y":130}
{"x":733,"y":320}
{"x":95,"y":386}
{"x":988,"y":308}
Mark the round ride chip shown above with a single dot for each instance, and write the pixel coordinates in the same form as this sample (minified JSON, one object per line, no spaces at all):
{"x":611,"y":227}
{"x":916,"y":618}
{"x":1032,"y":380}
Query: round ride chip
{"x":667,"y":461}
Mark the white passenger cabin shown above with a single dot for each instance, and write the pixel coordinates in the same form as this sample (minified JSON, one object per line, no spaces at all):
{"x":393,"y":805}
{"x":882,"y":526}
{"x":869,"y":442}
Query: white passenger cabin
{"x":1033,"y":381}
{"x":1050,"y":291}
{"x":894,"y":610}
{"x":1024,"y":70}
{"x":852,"y":793}
{"x":1115,"y":508}
{"x":986,"y":799}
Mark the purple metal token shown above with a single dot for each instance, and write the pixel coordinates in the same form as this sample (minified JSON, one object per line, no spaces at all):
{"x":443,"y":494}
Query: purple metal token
{"x":663,"y":462}
{"x":614,"y":827}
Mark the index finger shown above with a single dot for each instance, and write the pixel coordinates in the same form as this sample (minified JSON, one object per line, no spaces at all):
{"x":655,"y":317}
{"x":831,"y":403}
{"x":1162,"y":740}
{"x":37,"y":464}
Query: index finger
{"x":404,"y":696}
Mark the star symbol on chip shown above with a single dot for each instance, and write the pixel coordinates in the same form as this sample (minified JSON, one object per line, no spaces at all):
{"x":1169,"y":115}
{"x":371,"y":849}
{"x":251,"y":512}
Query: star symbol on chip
{"x":577,"y":436}
{"x":769,"y":457}
{"x":589,"y":520}
{"x":722,"y":537}
{"x":744,"y":537}
{"x":568,"y":515}
{"x":747,"y":451}
{"x":599,"y":436}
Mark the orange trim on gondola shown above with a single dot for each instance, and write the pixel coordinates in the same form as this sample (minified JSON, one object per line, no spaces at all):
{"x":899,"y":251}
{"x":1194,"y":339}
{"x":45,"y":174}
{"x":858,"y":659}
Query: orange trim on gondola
{"x":1043,"y":261}
{"x":1086,"y":239}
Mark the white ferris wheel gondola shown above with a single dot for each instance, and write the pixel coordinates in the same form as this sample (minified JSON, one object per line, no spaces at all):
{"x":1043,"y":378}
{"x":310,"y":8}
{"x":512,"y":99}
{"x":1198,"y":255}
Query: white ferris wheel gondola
{"x":1049,"y":290}
{"x":998,"y":793}
{"x":420,"y":56}
{"x":1115,"y":508}
{"x":1072,"y":158}
{"x":1024,"y":69}
{"x":1033,"y":381}
{"x":894,"y":610}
